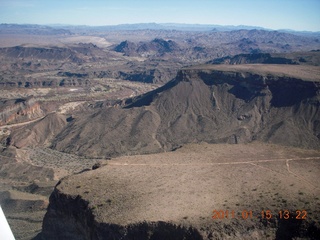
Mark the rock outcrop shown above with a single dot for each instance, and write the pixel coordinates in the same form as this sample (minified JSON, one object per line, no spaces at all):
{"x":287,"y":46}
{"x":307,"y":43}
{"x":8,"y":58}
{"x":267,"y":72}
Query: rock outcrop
{"x":70,"y":217}
{"x":264,"y":58}
{"x":19,"y":110}
{"x":157,"y":47}
{"x":215,"y":104}
{"x":174,"y":195}
{"x":54,"y":53}
{"x":299,"y":58}
{"x":50,"y":83}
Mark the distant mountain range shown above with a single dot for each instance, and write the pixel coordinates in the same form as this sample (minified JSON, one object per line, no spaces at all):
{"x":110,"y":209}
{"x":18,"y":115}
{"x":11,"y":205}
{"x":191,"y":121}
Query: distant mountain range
{"x":181,"y":27}
{"x":150,"y":26}
{"x":178,"y":26}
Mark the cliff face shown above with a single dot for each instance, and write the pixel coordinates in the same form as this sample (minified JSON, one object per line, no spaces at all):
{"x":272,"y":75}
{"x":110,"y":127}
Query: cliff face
{"x":70,"y":217}
{"x":171,"y":195}
{"x":265,"y":58}
{"x":19,"y":110}
{"x":210,"y":105}
{"x":54,"y":53}
{"x":36,"y":83}
{"x":174,"y":195}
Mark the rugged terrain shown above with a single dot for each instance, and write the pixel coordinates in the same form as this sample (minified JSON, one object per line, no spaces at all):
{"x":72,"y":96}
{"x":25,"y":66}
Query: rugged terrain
{"x":73,"y":97}
{"x":215,"y":104}
{"x":47,"y":56}
{"x":233,"y":104}
{"x":174,"y":195}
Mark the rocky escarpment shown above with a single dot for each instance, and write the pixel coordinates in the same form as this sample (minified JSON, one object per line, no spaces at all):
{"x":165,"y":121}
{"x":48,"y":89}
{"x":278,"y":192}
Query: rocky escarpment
{"x":174,"y":195}
{"x":216,"y":104}
{"x":299,"y":58}
{"x":54,"y":53}
{"x":71,"y":217}
{"x":45,"y":83}
{"x":157,"y":47}
{"x":84,"y":79}
{"x":19,"y":110}
{"x":265,"y":58}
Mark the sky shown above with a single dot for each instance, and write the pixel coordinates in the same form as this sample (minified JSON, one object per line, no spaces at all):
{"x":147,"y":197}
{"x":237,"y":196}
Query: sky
{"x":301,"y":15}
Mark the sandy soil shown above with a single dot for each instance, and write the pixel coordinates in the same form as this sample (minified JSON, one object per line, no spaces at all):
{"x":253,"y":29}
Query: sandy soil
{"x":100,"y":42}
{"x":9,"y":40}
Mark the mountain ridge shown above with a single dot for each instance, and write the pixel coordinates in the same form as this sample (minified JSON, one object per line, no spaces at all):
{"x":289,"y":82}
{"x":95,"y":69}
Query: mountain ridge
{"x":172,"y":26}
{"x":207,"y":105}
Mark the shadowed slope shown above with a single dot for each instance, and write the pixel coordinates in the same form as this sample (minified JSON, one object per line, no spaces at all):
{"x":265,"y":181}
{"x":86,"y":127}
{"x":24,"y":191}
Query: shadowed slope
{"x":217,"y":105}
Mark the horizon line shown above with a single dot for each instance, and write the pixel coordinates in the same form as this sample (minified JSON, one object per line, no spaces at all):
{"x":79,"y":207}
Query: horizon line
{"x":162,"y":23}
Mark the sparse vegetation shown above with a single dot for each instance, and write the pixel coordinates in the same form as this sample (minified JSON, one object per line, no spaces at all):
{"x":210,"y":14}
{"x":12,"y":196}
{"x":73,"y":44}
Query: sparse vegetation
{"x":85,"y":88}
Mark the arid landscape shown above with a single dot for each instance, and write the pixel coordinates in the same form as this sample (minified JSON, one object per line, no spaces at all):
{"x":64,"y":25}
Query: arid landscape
{"x":183,"y":189}
{"x":151,"y":131}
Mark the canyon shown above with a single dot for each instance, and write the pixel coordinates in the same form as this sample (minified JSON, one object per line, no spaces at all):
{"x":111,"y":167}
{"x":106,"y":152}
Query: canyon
{"x":148,"y":133}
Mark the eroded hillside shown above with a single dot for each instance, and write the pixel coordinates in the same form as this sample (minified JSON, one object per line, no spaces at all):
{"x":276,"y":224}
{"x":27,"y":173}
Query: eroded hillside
{"x":72,"y":99}
{"x":215,"y":104}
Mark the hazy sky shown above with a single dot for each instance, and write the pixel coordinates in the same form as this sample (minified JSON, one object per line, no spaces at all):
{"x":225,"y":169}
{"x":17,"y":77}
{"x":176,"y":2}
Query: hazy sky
{"x":274,"y":14}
